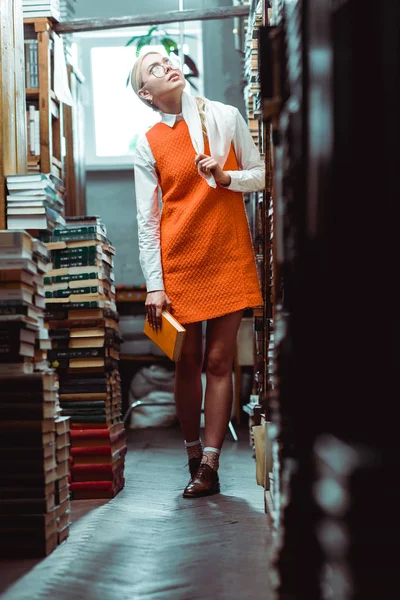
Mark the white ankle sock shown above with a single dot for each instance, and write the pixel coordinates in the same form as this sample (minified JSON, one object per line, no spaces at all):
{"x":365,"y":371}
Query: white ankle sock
{"x":211,"y":457}
{"x":194,"y":449}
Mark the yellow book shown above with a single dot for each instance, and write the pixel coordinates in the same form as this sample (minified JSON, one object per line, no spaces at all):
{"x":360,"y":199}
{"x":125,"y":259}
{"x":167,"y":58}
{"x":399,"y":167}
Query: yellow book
{"x":169,"y":338}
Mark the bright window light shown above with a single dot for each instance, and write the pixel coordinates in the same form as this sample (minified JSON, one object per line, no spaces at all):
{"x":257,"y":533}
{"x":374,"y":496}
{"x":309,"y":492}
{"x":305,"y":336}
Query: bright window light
{"x":120,"y":117}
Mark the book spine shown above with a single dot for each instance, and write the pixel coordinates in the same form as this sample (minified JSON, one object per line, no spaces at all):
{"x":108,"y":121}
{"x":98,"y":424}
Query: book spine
{"x":72,"y":306}
{"x":75,"y":231}
{"x":69,"y":261}
{"x":79,"y":251}
{"x":76,"y":238}
{"x":74,"y":291}
{"x":61,"y":353}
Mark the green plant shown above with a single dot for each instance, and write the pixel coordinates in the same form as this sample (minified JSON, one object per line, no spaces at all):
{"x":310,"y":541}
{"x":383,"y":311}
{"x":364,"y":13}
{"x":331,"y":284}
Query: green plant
{"x":158,"y":37}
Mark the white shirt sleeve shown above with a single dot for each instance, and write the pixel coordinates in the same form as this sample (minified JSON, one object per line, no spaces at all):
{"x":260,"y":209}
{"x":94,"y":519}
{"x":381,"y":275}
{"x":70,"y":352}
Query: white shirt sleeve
{"x":148,"y":216}
{"x":251,"y":177}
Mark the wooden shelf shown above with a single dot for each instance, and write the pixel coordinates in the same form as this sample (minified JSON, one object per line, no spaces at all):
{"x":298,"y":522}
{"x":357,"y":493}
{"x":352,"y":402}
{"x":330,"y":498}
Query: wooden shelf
{"x":32,"y":93}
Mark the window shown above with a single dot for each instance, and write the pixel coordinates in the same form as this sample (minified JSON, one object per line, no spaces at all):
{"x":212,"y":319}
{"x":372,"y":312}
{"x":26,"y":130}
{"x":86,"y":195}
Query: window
{"x":115,"y":117}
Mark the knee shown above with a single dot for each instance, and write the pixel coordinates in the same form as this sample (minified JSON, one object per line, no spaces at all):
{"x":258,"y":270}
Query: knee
{"x":219,"y":365}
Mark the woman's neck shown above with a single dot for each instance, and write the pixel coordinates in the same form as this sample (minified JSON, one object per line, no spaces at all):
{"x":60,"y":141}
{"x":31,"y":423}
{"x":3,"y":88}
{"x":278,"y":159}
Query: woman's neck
{"x":171,"y":106}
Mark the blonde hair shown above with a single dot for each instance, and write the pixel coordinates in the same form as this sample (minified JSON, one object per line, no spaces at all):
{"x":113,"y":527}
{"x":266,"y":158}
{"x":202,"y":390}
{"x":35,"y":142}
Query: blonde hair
{"x":201,"y":106}
{"x":136,"y":78}
{"x":137,"y":84}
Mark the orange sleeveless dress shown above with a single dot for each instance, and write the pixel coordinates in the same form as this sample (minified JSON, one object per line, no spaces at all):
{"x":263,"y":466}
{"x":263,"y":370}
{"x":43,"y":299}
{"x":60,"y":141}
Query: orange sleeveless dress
{"x":207,"y":253}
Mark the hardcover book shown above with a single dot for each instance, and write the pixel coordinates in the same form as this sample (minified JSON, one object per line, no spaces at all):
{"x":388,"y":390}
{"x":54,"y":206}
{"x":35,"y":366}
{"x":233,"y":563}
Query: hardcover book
{"x":170,"y":338}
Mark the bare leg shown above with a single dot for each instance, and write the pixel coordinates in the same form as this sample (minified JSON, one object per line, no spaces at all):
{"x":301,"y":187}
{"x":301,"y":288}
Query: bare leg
{"x":220,"y":352}
{"x":188,"y":388}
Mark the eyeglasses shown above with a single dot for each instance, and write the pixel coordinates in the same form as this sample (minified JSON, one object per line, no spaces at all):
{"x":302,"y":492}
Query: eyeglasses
{"x":159,"y":70}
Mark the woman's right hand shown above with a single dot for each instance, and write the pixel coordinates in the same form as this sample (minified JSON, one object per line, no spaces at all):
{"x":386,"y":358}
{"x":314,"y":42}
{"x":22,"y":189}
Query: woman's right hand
{"x":156,"y":302}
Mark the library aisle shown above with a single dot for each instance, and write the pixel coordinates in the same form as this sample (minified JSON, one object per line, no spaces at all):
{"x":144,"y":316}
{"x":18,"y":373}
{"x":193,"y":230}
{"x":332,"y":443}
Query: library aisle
{"x":150,"y":543}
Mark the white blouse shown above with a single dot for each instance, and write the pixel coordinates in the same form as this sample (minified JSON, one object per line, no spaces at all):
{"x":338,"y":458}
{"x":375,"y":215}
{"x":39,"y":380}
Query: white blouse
{"x":250,"y":178}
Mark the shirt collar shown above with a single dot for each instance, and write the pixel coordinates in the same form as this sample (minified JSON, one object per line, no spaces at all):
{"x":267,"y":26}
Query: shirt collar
{"x":169,"y":119}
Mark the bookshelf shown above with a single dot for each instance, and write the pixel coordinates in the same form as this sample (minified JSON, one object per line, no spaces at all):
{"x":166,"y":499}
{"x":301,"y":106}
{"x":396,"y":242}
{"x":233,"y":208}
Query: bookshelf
{"x":59,"y":144}
{"x":45,"y":153}
{"x":12,"y":97}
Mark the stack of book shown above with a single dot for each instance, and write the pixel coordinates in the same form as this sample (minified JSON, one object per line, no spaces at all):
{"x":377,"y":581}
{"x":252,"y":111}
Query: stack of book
{"x":31,"y":512}
{"x":83,"y":327}
{"x":35,"y":201}
{"x":62,"y":487}
{"x":33,"y":9}
{"x":28,"y":509}
{"x":21,"y":313}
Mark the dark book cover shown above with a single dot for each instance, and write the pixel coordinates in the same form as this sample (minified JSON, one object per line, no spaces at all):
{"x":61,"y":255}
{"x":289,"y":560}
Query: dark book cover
{"x":32,"y":382}
{"x":68,"y":306}
{"x":72,"y":277}
{"x":92,"y":419}
{"x":66,"y":293}
{"x":76,"y":412}
{"x":26,"y":452}
{"x":91,"y":388}
{"x":30,"y":479}
{"x":69,"y":261}
{"x":77,"y":237}
{"x":21,"y":521}
{"x":92,"y":405}
{"x":83,"y":379}
{"x":77,"y":251}
{"x":27,"y":411}
{"x":61,"y":353}
{"x":21,"y":468}
{"x":25,"y":439}
{"x":18,"y":506}
{"x":23,"y":492}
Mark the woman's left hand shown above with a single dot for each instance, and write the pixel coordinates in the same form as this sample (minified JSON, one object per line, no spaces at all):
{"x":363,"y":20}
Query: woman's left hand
{"x":208,"y":165}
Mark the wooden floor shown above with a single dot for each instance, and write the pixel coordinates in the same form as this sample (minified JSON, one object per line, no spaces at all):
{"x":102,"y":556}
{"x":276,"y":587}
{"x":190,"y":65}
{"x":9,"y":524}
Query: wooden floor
{"x":149,"y":543}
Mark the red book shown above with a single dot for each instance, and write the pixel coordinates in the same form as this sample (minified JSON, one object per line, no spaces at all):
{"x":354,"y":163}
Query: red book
{"x":98,"y":472}
{"x":96,"y":457}
{"x":90,"y":485}
{"x":84,"y":438}
{"x":96,"y":489}
{"x":109,"y":450}
{"x":87,"y":432}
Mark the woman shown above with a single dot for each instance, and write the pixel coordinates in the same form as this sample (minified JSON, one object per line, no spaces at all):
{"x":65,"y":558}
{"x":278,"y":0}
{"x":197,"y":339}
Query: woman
{"x":198,"y":258}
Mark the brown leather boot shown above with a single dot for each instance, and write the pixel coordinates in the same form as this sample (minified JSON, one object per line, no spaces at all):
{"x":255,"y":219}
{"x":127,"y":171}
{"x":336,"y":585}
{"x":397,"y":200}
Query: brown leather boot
{"x":205,"y":482}
{"x":194,"y":464}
